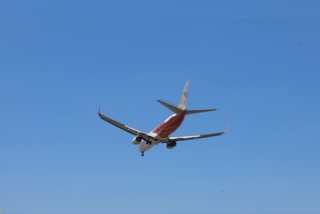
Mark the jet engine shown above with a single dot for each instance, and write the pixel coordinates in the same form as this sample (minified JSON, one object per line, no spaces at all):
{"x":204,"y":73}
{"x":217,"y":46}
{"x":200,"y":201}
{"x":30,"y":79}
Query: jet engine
{"x":171,"y":145}
{"x":136,"y":140}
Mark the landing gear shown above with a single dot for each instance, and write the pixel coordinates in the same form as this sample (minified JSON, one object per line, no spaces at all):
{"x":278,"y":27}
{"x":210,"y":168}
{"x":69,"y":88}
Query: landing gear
{"x":149,"y":142}
{"x":142,"y":154}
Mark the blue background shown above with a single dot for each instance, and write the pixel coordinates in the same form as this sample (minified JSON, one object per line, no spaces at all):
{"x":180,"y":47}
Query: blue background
{"x":256,"y":61}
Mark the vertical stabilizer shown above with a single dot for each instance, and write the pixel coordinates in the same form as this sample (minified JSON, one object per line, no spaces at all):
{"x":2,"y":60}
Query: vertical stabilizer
{"x":184,"y":97}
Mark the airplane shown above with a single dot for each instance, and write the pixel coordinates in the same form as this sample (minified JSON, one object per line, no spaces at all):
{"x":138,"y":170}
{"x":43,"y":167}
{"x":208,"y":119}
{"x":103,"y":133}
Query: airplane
{"x":161,"y":134}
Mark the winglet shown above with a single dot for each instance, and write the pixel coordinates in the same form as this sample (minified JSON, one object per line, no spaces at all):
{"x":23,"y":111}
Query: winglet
{"x":227,"y":129}
{"x":99,"y":112}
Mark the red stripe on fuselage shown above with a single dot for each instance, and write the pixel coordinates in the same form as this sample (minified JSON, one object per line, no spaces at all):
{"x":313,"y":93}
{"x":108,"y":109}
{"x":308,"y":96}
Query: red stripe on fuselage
{"x":170,"y":125}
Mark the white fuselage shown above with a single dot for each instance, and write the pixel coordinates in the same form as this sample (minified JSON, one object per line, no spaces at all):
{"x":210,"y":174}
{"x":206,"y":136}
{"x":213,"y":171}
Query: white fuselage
{"x":162,"y":132}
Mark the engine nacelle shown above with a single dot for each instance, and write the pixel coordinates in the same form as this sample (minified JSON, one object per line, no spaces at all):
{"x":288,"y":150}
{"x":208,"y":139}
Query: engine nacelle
{"x":136,"y":140}
{"x":171,"y":145}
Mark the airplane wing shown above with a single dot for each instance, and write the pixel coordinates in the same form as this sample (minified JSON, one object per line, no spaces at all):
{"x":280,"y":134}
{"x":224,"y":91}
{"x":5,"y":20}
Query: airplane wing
{"x":120,"y":125}
{"x":126,"y":128}
{"x":181,"y":138}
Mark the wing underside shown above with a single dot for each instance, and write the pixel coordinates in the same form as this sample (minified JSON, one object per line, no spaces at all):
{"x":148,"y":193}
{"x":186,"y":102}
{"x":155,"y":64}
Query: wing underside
{"x":120,"y":125}
{"x":124,"y":127}
{"x":182,"y":138}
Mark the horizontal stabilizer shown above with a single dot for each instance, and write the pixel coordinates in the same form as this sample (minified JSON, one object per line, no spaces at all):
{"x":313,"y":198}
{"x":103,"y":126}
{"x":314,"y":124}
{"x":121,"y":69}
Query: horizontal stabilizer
{"x":170,"y":106}
{"x":199,"y":111}
{"x":177,"y":110}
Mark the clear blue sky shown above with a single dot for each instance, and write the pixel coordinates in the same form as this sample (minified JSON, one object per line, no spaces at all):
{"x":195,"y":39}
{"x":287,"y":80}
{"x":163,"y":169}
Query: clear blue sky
{"x":256,"y":61}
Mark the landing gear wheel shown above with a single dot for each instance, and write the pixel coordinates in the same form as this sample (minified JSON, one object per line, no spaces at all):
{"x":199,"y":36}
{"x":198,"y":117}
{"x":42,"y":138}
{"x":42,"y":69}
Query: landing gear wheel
{"x":142,"y":154}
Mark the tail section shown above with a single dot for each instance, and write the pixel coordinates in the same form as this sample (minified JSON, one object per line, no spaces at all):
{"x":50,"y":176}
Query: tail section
{"x":184,"y":97}
{"x":199,"y":111}
{"x":170,"y":106}
{"x":183,"y":103}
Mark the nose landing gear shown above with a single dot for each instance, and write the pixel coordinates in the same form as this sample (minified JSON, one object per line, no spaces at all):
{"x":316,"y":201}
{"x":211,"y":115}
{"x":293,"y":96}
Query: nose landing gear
{"x":142,"y":154}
